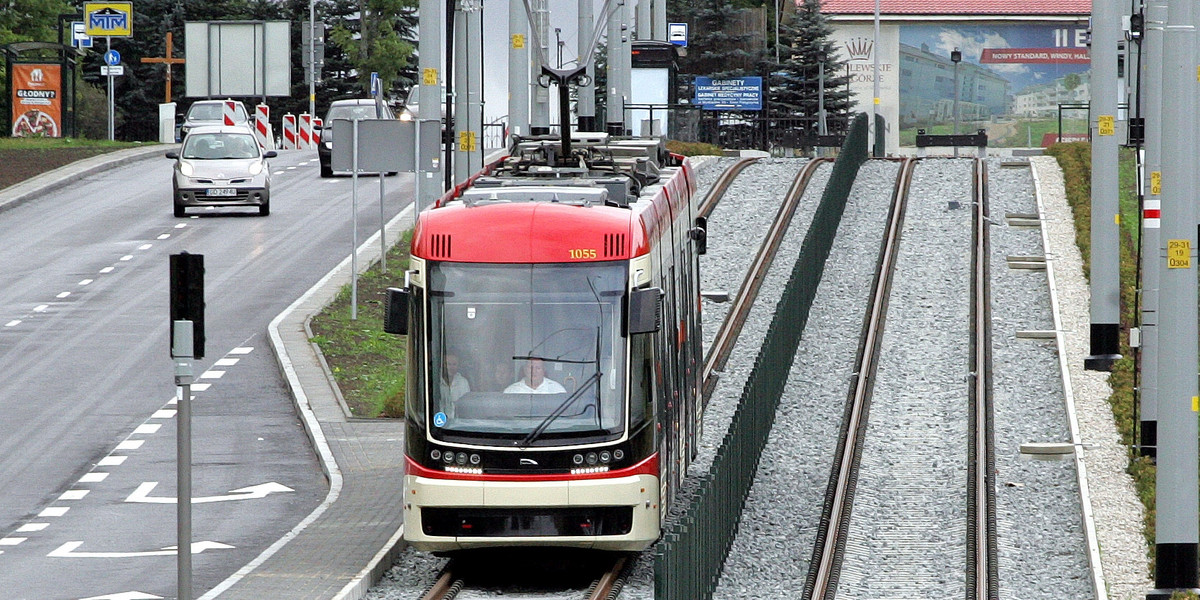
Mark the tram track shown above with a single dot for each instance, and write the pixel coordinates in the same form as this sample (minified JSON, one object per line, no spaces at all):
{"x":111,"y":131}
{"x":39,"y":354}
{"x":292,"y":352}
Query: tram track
{"x":456,"y":578}
{"x":726,"y":338}
{"x":834,"y":537}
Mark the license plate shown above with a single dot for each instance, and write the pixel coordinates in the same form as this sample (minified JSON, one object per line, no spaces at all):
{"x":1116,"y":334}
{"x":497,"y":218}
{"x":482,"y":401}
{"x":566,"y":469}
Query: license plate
{"x":222,"y":192}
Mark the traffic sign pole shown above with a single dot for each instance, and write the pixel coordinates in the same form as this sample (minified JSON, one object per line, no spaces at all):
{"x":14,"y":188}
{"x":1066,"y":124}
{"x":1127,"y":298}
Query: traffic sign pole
{"x":108,"y":48}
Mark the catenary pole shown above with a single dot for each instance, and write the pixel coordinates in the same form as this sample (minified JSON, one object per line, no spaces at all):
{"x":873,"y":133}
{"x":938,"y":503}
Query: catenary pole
{"x":586,"y":105}
{"x":1151,"y":89}
{"x":518,"y":69}
{"x":1175,"y":535}
{"x":1104,"y":276}
{"x":429,"y":103}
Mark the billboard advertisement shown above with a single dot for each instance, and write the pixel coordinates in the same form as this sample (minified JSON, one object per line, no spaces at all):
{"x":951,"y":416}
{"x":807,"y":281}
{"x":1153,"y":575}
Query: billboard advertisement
{"x":37,"y":100}
{"x":1013,"y":80}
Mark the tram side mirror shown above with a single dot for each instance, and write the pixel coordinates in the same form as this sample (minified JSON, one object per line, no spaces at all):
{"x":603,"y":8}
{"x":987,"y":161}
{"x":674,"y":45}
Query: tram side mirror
{"x":395,"y":318}
{"x":699,"y":234}
{"x":645,"y":310}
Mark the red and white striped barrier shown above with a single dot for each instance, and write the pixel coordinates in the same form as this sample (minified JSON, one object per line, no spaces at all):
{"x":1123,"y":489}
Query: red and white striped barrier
{"x":318,"y":128}
{"x":262,"y":127}
{"x":305,"y":132}
{"x":289,"y":132}
{"x":229,"y":112}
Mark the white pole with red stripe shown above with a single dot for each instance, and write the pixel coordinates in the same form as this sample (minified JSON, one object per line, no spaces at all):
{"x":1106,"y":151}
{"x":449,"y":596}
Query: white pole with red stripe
{"x":305,"y":133}
{"x":289,"y":131}
{"x":262,"y":127}
{"x":229,"y":112}
{"x":318,"y":127}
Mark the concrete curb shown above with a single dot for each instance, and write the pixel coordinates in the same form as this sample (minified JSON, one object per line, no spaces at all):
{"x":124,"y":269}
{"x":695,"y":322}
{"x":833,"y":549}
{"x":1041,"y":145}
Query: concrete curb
{"x":50,"y":181}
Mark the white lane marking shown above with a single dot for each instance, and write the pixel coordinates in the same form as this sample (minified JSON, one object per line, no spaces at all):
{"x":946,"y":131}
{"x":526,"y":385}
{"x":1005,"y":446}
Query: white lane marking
{"x":54,"y":511}
{"x":226,"y":362}
{"x":107,"y":461}
{"x":63,"y":294}
{"x":107,"y":269}
{"x":130,"y":444}
{"x":181,"y":226}
{"x":67,"y":550}
{"x":41,"y":308}
{"x":32,"y":527}
{"x":242,"y":350}
{"x":85,"y":282}
{"x":290,"y":168}
{"x":262,"y":490}
{"x":134,"y":595}
{"x":164,"y":413}
{"x":212,"y":374}
{"x":13,"y":323}
{"x":147,"y":428}
{"x":200,"y":387}
{"x":127,"y":257}
{"x":11,"y":541}
{"x":164,"y":236}
{"x":73,"y":494}
{"x":145,"y":246}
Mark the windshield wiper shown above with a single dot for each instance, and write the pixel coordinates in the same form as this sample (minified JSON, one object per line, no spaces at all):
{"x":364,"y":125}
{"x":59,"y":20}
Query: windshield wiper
{"x":558,"y":412}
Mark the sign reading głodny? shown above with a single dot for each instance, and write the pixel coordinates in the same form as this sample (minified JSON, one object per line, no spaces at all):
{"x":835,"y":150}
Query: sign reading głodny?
{"x":739,"y":93}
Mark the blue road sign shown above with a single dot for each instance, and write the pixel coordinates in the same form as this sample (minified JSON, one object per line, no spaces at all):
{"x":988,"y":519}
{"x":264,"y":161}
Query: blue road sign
{"x":677,"y":33}
{"x":112,"y":58}
{"x":739,"y":93}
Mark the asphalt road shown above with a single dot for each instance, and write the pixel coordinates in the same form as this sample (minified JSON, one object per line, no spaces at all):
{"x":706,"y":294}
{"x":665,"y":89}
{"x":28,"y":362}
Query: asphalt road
{"x":87,"y":432}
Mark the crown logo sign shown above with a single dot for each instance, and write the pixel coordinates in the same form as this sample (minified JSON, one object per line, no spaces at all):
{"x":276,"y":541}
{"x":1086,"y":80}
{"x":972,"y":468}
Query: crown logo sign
{"x":859,"y":48}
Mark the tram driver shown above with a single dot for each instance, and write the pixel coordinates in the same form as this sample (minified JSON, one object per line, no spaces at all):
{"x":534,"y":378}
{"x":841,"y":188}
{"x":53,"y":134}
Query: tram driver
{"x":534,"y":380}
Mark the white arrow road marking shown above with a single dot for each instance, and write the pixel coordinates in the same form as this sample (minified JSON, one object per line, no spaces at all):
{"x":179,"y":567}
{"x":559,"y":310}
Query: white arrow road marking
{"x":142,"y":493}
{"x":67,"y":550}
{"x":126,"y":596}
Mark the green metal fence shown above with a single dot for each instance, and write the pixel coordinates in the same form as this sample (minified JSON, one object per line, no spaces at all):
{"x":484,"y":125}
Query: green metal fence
{"x":689,"y":557}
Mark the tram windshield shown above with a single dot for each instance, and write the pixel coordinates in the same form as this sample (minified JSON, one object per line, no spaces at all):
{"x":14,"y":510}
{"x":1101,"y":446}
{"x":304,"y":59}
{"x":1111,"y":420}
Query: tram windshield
{"x":526,"y":355}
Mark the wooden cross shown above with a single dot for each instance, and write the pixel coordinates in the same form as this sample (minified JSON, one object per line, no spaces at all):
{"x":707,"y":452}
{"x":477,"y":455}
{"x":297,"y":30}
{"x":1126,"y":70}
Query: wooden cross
{"x":169,"y":62}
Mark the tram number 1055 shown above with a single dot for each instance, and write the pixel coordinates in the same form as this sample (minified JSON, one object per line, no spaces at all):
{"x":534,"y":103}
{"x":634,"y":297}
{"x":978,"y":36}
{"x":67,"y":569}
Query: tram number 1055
{"x":582,"y":252}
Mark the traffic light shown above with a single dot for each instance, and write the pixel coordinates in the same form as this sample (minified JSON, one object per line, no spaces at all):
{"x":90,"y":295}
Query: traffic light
{"x":187,"y":298}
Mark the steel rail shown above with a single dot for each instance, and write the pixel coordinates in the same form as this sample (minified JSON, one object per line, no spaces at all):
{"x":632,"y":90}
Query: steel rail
{"x":831,"y":535}
{"x":981,"y":506}
{"x":717,"y":190}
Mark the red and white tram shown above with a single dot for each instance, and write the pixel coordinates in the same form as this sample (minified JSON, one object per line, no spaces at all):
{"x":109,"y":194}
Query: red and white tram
{"x":552,"y":312}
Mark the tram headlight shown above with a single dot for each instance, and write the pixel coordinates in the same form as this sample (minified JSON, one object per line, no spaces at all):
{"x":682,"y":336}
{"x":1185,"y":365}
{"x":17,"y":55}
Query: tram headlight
{"x":448,"y":457}
{"x":461,"y":459}
{"x":577,"y":459}
{"x":591,"y":458}
{"x":618,"y":454}
{"x":475,"y":459}
{"x":435,"y":454}
{"x":605,"y":456}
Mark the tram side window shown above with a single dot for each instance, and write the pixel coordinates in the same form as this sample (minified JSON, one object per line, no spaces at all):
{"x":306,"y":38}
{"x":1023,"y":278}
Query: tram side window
{"x":641,"y":397}
{"x":414,"y":400}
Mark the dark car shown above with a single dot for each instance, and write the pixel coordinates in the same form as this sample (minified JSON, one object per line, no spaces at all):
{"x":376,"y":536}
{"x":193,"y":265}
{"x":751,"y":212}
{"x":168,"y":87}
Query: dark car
{"x":359,"y":108}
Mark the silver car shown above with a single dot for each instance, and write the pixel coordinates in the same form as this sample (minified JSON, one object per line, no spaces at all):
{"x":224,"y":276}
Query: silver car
{"x":221,"y":166}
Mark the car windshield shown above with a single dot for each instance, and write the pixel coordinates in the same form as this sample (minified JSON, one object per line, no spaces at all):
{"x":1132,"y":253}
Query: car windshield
{"x":218,"y":146}
{"x":212,"y":112}
{"x":353,"y":111}
{"x":529,"y":354}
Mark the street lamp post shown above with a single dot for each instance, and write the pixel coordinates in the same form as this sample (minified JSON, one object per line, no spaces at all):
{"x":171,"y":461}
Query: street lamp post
{"x":955,"y":57}
{"x":558,"y":38}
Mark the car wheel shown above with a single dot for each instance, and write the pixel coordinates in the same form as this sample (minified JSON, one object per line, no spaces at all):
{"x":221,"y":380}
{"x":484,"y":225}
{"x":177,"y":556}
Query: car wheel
{"x":264,"y":209}
{"x":179,"y":211}
{"x":326,"y":170}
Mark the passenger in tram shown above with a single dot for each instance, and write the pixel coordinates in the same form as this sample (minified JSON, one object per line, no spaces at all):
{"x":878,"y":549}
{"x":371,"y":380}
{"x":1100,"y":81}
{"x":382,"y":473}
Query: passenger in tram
{"x":535,"y":380}
{"x":498,"y":377}
{"x":453,"y":384}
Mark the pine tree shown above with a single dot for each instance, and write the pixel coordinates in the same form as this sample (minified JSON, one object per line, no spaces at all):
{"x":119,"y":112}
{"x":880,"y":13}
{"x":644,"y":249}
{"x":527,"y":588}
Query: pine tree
{"x":380,"y":41}
{"x":712,"y":50}
{"x":806,"y":50}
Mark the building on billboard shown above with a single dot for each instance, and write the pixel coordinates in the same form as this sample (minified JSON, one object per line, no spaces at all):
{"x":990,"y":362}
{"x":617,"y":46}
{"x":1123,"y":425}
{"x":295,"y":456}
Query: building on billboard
{"x":1019,"y":60}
